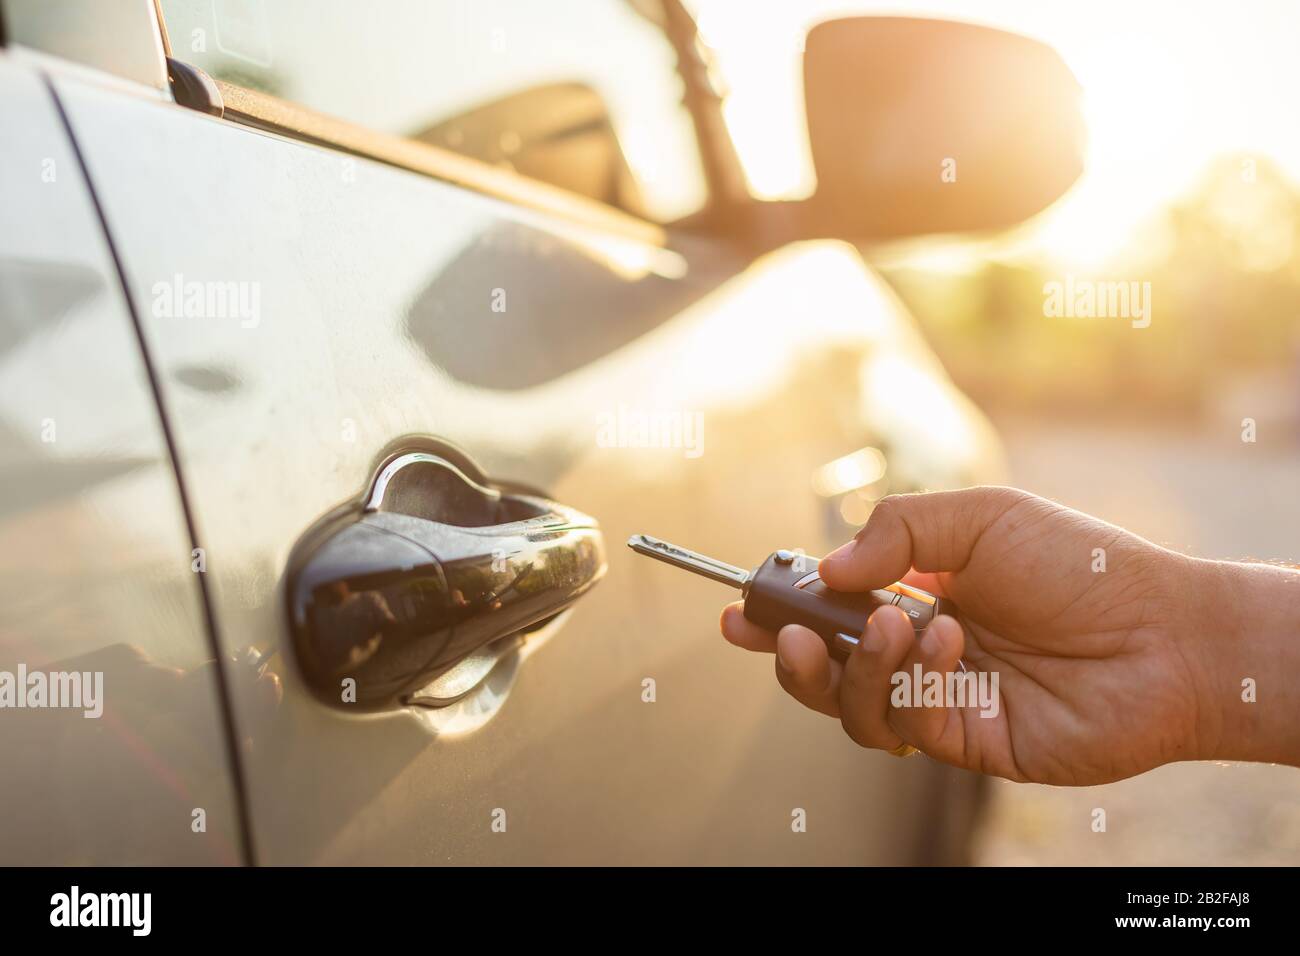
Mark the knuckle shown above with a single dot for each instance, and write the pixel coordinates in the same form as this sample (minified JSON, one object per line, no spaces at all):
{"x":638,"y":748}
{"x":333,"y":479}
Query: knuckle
{"x":858,"y":734}
{"x":999,"y":500}
{"x":884,"y":512}
{"x":889,"y":507}
{"x":857,"y":672}
{"x":790,"y":683}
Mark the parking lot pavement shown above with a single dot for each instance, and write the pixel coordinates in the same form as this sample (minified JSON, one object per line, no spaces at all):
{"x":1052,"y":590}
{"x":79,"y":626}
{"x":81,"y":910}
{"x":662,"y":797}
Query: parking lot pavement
{"x":1205,"y":492}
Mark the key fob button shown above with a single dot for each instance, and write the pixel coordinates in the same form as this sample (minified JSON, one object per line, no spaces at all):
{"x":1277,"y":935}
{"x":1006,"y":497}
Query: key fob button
{"x":918,"y":611}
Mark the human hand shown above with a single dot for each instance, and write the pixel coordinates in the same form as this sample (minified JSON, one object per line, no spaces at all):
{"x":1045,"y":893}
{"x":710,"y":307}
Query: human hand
{"x":1112,"y":655}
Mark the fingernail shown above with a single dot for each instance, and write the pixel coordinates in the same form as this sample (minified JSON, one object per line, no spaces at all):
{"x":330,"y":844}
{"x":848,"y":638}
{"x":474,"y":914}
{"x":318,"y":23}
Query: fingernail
{"x":931,"y":645}
{"x":843,"y":552}
{"x":874,"y":639}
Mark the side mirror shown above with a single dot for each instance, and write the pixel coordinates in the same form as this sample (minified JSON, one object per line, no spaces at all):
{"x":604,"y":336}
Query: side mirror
{"x":926,"y":126}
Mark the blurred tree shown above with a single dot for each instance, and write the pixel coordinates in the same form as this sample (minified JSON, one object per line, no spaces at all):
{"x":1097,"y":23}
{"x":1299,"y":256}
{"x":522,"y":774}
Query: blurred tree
{"x":1225,"y":302}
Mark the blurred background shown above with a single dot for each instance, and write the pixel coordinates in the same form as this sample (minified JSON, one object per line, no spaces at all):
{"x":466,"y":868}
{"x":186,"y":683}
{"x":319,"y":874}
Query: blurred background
{"x":1191,"y":184}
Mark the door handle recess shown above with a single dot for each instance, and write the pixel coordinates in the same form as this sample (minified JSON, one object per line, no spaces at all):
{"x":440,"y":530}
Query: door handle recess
{"x":431,"y":566}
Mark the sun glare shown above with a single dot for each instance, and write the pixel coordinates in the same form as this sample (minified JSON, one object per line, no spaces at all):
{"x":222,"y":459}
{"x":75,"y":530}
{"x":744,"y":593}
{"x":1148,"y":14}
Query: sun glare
{"x":1168,"y":88}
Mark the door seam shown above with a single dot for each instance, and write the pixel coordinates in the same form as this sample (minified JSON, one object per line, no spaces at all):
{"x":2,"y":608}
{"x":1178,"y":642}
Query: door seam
{"x":238,"y":780}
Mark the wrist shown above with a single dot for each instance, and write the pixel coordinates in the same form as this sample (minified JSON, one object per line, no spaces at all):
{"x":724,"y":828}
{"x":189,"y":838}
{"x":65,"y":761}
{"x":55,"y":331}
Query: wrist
{"x":1245,"y":633}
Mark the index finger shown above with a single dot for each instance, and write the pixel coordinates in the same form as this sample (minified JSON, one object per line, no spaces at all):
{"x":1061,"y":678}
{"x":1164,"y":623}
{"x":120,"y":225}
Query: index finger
{"x":935,"y":531}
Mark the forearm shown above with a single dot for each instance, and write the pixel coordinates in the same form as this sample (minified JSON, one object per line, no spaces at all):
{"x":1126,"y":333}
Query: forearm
{"x":1250,"y":646}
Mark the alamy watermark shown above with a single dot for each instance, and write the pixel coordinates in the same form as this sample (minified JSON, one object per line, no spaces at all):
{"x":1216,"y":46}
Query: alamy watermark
{"x":179,"y":298}
{"x":638,"y":427}
{"x":130,"y":910}
{"x":65,"y":690}
{"x":1098,"y":299}
{"x":953,"y":689}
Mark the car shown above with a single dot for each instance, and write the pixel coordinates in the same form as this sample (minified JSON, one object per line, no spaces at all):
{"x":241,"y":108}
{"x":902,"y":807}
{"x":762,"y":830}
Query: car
{"x":342,"y":349}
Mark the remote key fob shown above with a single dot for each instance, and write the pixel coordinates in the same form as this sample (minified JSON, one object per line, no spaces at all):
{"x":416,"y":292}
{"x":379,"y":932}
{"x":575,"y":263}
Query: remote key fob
{"x":785,"y":589}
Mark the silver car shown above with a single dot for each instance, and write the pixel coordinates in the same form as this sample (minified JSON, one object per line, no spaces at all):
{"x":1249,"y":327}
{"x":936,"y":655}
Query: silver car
{"x":341,"y":347}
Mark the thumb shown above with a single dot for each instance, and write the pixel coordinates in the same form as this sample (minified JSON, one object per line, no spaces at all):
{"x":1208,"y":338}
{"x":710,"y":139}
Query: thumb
{"x":936,"y":531}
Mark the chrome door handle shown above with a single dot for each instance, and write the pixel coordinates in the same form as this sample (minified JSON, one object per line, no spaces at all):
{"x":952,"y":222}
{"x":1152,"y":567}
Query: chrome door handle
{"x":428,"y":569}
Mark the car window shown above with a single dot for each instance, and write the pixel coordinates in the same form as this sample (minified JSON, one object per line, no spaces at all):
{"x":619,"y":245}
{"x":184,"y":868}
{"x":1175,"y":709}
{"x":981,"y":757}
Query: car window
{"x":581,"y":93}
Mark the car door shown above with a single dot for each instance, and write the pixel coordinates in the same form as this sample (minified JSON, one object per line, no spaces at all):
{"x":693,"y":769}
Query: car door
{"x":320,"y":300}
{"x":113,"y":738}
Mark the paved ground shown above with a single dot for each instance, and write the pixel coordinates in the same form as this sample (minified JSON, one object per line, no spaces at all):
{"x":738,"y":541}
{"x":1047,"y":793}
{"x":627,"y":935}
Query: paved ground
{"x":1205,"y":492}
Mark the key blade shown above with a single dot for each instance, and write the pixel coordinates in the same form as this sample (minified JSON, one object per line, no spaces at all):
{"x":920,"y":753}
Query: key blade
{"x":689,"y":560}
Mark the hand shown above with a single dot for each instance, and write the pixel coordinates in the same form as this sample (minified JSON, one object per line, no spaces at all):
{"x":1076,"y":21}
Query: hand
{"x":1112,"y":655}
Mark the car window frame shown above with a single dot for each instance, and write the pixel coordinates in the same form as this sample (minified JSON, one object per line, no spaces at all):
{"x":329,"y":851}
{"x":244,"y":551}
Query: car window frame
{"x":149,"y":62}
{"x":272,"y":114}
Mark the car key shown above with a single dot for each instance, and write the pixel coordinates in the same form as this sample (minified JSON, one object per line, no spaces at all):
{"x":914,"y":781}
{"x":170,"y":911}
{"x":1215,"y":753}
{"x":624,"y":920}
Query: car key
{"x":786,"y":589}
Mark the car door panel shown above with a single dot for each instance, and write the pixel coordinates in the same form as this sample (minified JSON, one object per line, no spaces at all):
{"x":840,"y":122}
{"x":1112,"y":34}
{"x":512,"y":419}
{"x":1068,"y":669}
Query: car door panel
{"x":375,"y":325}
{"x":95,"y":561}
